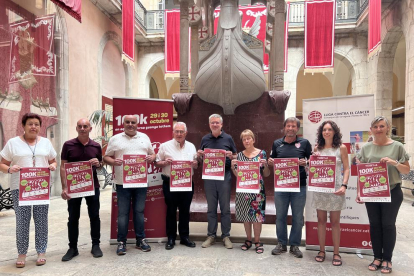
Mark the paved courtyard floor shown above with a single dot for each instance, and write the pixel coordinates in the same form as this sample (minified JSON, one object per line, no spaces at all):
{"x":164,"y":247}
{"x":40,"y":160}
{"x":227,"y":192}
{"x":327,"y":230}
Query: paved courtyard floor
{"x":215,"y":260}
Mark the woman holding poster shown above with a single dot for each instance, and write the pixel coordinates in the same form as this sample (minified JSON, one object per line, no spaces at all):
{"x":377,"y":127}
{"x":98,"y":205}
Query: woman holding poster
{"x":382,"y":215}
{"x":250,"y":207}
{"x":27,"y":151}
{"x":329,"y":143}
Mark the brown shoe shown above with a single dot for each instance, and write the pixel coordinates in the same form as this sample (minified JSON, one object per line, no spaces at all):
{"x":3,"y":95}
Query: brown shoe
{"x":227,"y":243}
{"x":41,"y":259}
{"x":208,"y":242}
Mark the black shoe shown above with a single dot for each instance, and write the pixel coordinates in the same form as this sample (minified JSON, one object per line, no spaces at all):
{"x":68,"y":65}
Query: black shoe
{"x":72,"y":252}
{"x":96,"y":251}
{"x":170,"y":244}
{"x":186,"y":241}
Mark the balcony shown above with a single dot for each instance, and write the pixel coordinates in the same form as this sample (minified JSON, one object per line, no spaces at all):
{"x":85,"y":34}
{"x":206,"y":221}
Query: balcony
{"x":347,"y":11}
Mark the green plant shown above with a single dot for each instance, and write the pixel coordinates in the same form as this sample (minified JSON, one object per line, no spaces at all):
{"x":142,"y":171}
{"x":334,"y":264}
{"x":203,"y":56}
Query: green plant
{"x":102,"y":119}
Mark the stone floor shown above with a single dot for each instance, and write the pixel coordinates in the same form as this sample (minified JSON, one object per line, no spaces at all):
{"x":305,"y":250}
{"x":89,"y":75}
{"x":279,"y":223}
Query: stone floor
{"x":215,"y":260}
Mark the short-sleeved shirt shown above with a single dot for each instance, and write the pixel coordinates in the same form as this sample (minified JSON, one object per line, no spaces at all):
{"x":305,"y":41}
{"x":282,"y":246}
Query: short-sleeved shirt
{"x":300,"y":148}
{"x":121,"y":144}
{"x":74,"y":151}
{"x":224,"y":141}
{"x":371,"y":153}
{"x":172,"y":149}
{"x":18,"y":153}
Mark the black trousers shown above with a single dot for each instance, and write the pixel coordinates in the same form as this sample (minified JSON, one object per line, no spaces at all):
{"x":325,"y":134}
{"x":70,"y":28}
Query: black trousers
{"x":174,"y":200}
{"x":74,"y":207}
{"x":382,"y":217}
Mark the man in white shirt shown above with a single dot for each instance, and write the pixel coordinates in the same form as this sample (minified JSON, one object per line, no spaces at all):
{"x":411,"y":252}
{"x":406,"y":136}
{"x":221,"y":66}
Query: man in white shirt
{"x":129,"y":142}
{"x":177,"y":149}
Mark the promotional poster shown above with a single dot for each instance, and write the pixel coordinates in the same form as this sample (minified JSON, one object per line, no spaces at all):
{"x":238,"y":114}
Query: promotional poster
{"x":79,"y":179}
{"x":134,"y":173}
{"x":248,"y":180}
{"x":286,"y":175}
{"x":34,"y":186}
{"x":213,"y":164}
{"x":373,"y":183}
{"x":181,"y":176}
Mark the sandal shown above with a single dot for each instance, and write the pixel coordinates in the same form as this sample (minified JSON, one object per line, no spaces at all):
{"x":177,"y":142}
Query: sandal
{"x":41,"y":260}
{"x":246,"y":246}
{"x":375,"y":266}
{"x":21,"y":261}
{"x":259,"y":247}
{"x":337,"y":262}
{"x":320,"y":258}
{"x":386,"y":269}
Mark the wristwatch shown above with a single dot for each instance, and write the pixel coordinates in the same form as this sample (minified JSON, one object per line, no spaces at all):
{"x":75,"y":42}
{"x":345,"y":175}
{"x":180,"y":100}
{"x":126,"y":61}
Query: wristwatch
{"x":345,"y":185}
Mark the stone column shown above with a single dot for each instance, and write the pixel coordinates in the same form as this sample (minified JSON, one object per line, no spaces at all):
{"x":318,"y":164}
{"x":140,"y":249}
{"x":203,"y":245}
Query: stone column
{"x":194,"y":54}
{"x":277,"y":48}
{"x":184,"y":25}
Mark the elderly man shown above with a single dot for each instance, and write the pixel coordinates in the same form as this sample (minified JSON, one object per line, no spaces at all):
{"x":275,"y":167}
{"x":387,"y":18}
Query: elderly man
{"x":82,"y":149}
{"x":129,"y":142}
{"x":177,"y":149}
{"x":290,"y":146}
{"x":218,"y":191}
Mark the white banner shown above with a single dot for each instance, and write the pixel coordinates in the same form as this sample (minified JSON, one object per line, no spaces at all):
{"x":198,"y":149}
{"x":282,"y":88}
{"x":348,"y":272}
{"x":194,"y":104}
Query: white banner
{"x":353,"y":115}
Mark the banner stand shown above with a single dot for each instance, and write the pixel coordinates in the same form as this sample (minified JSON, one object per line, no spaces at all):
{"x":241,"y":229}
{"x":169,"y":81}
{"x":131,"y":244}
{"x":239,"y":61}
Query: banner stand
{"x":353,"y":115}
{"x":155,"y":119}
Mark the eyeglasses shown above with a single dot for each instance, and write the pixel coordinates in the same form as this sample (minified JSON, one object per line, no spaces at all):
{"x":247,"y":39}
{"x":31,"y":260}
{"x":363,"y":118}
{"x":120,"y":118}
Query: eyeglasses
{"x":179,"y":131}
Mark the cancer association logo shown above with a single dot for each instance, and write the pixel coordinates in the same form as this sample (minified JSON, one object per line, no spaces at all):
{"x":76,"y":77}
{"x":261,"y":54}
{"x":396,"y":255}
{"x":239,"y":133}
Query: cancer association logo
{"x":315,"y":116}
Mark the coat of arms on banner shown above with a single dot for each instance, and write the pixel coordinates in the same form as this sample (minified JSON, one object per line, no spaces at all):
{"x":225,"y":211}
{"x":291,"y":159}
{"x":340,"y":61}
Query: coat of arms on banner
{"x":31,"y":51}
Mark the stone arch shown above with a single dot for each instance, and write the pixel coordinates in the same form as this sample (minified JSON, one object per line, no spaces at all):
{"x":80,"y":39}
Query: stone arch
{"x":116,"y":39}
{"x":156,"y":72}
{"x":154,"y":59}
{"x":296,"y":62}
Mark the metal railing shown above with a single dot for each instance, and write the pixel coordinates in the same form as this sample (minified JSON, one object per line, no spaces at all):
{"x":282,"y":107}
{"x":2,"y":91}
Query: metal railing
{"x":346,"y":11}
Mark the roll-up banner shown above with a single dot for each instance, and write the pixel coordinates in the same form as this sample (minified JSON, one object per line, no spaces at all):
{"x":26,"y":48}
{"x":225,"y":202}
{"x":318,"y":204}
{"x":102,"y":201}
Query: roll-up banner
{"x":155,"y":118}
{"x":353,"y":115}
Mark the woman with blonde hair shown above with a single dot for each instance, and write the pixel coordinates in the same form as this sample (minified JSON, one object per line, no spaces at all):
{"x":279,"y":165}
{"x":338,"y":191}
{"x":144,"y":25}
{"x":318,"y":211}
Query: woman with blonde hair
{"x":382,"y":215}
{"x":250,"y":207}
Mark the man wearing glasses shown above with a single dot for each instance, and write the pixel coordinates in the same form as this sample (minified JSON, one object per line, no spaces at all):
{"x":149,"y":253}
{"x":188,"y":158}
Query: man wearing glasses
{"x":75,"y":150}
{"x":180,"y":150}
{"x":129,"y":142}
{"x":218,"y":191}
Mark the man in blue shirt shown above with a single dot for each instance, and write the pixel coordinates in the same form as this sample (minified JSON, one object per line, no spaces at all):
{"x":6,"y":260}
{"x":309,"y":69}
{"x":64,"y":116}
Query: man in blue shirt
{"x":290,"y":146}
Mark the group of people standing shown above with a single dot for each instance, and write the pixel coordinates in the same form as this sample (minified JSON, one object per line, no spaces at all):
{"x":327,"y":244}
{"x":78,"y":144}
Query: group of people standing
{"x":31,"y":150}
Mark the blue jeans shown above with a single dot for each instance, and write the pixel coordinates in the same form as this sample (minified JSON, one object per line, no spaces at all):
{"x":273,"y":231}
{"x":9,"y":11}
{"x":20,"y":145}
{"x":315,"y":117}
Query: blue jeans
{"x":124,"y":196}
{"x":297,"y":202}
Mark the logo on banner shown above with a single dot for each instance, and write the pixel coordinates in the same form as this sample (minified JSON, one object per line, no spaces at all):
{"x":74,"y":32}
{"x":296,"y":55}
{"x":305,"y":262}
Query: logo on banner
{"x":315,"y":116}
{"x":297,"y":145}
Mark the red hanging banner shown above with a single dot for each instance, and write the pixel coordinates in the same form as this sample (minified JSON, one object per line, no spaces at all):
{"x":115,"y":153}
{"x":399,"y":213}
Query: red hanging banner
{"x":374,"y":28}
{"x":72,"y":7}
{"x":128,"y":31}
{"x":319,"y":36}
{"x":172,"y":42}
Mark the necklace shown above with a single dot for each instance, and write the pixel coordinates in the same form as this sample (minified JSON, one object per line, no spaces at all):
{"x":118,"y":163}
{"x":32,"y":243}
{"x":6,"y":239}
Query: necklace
{"x":33,"y":151}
